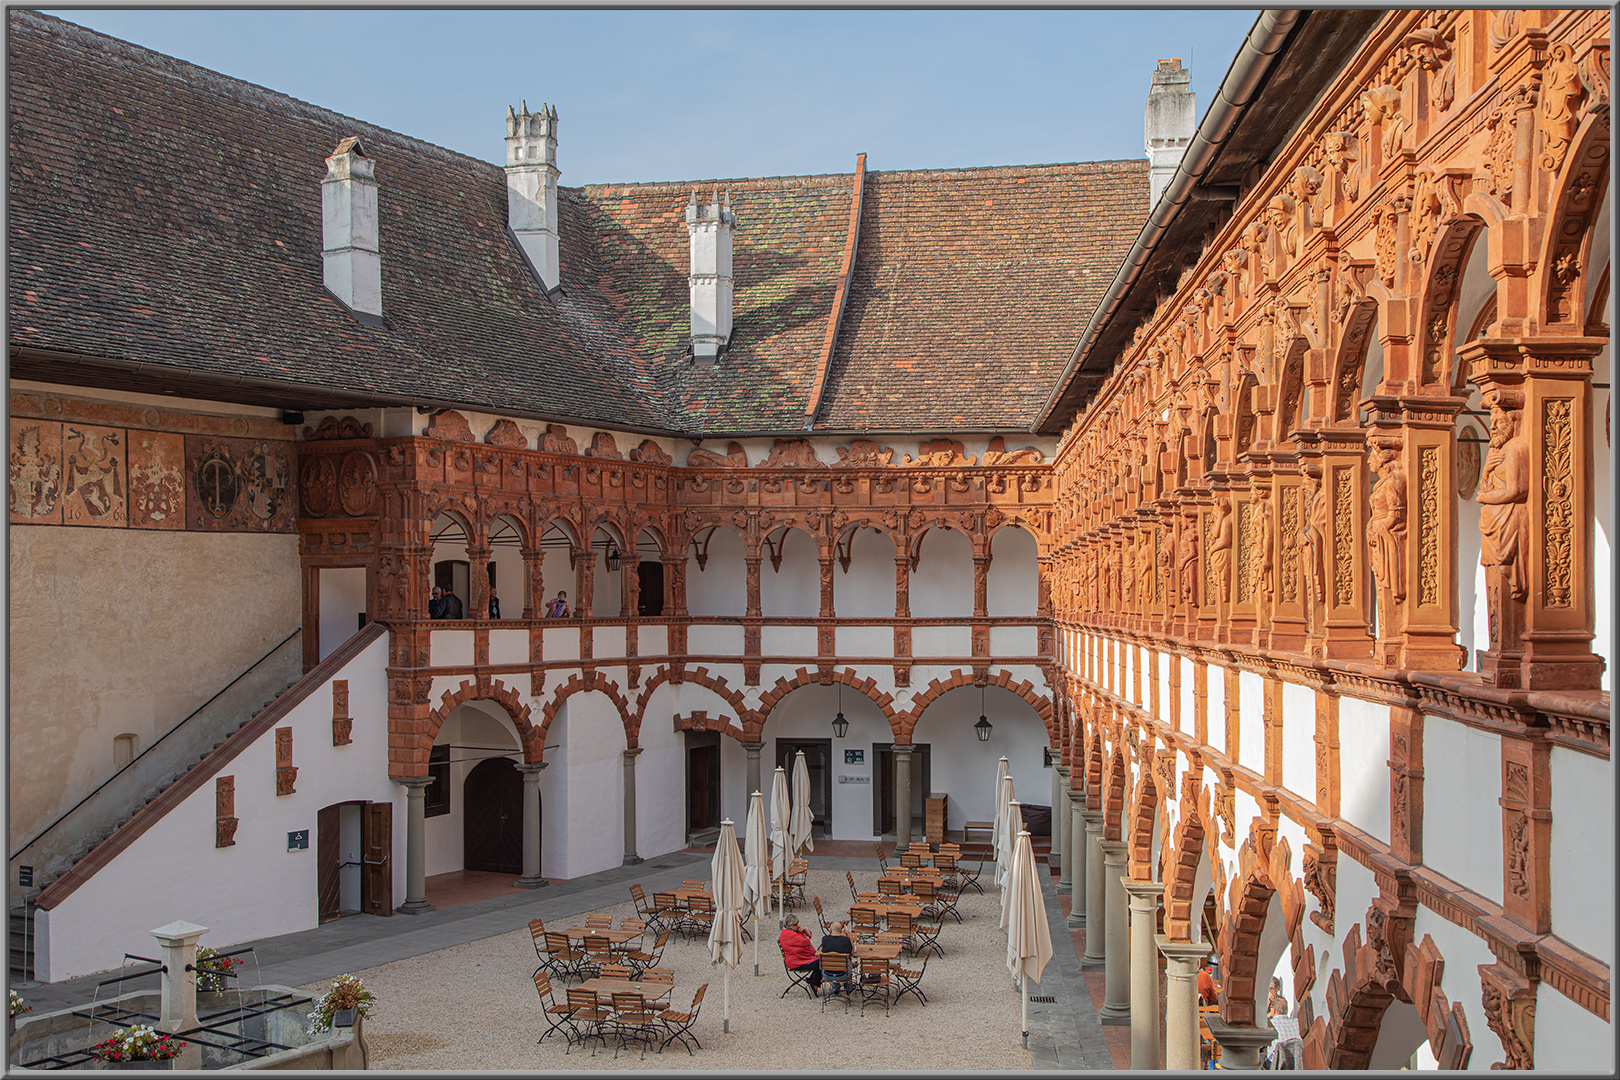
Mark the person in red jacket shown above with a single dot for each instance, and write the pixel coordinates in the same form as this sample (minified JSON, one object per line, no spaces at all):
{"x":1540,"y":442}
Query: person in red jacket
{"x":798,"y":953}
{"x":1206,"y":986}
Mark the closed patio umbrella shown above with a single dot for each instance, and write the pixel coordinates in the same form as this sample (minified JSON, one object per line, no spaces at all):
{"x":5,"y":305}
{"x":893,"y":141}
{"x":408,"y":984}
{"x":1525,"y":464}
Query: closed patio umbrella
{"x":1003,"y":770}
{"x":780,"y":812}
{"x":1015,"y":825}
{"x":799,"y":830}
{"x":756,"y":886}
{"x":1029,"y":939}
{"x":1008,"y":833}
{"x":725,"y":935}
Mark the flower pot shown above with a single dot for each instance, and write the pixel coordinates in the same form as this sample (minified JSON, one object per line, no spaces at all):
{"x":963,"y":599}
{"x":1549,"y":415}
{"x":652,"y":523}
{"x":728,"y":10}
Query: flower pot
{"x":166,"y":1063}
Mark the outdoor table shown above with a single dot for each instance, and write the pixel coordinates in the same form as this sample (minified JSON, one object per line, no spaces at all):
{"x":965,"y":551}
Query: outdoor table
{"x":883,"y":910}
{"x":877,"y":951}
{"x":614,"y":936}
{"x":686,"y":896}
{"x":651,"y":991}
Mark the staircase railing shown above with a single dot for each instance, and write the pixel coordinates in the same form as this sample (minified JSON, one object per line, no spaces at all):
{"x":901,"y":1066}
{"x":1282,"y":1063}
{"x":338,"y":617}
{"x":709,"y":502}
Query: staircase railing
{"x":92,"y":818}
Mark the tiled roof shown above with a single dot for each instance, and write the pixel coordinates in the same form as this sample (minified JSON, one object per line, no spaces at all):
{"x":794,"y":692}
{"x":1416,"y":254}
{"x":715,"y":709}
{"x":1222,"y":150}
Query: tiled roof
{"x":166,"y":214}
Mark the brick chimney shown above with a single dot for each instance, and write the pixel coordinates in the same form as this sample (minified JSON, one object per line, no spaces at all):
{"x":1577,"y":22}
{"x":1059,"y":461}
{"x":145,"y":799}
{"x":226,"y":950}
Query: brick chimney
{"x":350,"y":263}
{"x":710,"y":229}
{"x":1168,"y":124}
{"x":531,"y":187}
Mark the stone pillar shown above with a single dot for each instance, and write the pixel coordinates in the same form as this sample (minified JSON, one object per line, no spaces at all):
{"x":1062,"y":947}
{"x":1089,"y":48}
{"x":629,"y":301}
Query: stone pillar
{"x":753,"y":749}
{"x":1062,"y":829}
{"x":1241,"y":1047}
{"x":415,"y":846}
{"x":1181,"y":1001}
{"x":1145,"y":896}
{"x":630,"y":856}
{"x":531,"y":878}
{"x":178,"y":996}
{"x":1116,"y":943}
{"x":902,"y":797}
{"x":1054,"y":854}
{"x":1081,"y":844}
{"x":1095,"y":917}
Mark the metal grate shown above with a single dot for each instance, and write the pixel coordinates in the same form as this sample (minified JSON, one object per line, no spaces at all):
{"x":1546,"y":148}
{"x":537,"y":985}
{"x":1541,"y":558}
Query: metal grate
{"x":1044,"y":999}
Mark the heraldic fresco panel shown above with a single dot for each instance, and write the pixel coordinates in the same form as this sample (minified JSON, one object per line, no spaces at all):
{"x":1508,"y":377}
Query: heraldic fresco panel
{"x":65,"y":473}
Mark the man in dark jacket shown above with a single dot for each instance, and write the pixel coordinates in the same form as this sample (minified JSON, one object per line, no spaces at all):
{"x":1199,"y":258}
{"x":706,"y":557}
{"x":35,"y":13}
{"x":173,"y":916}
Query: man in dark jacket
{"x":452,"y":606}
{"x":436,"y":603}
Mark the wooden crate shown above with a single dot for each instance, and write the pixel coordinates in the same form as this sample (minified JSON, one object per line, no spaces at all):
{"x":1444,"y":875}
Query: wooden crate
{"x":934,"y":820}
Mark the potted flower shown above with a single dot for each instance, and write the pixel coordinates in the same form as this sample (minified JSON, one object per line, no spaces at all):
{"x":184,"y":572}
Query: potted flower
{"x":214,"y":972}
{"x":18,"y":1007}
{"x":138,"y":1047}
{"x":347,"y":994}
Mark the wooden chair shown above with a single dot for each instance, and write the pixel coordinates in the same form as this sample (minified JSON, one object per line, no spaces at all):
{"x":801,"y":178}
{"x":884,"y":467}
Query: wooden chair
{"x":563,"y":959}
{"x":598,"y":951}
{"x":925,"y":939}
{"x":835,"y":968}
{"x":631,"y":923}
{"x":678,"y":1025}
{"x":694,"y":885}
{"x":909,"y":982}
{"x":555,"y":1012}
{"x":904,"y":924}
{"x":945,"y":863}
{"x":883,"y":860}
{"x":928,"y":896}
{"x":870,"y":898}
{"x":887,"y":886}
{"x":641,"y":959}
{"x":815,"y":901}
{"x":970,"y":878}
{"x":863,"y":923}
{"x":875,"y":982}
{"x":601,"y":921}
{"x":669,"y":909}
{"x":644,"y":907}
{"x":585,"y":1018}
{"x":890,"y":937}
{"x":699,"y":917}
{"x":615,"y":971}
{"x":633,"y":1019}
{"x":854,"y":893}
{"x":945,"y":903}
{"x":537,"y":931}
{"x":658,"y":975}
{"x":911,"y":860}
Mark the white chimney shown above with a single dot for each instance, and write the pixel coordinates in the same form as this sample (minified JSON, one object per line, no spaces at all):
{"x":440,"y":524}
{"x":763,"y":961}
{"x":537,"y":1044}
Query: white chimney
{"x":350,"y":263}
{"x":710,"y":228}
{"x":1168,"y":124}
{"x":531,"y":187}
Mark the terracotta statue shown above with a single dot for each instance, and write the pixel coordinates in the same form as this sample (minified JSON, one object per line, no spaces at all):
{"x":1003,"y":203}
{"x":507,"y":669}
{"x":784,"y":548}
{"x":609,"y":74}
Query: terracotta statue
{"x":1386,"y":531}
{"x":1263,"y":582}
{"x":1220,"y":550}
{"x":1504,"y":489}
{"x":1189,"y":560}
{"x":1312,"y":538}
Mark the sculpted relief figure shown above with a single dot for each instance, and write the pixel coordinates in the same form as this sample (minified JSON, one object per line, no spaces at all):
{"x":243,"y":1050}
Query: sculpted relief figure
{"x":1220,"y":550}
{"x":1263,"y":581}
{"x":1386,"y":531}
{"x":1312,"y":539}
{"x":1188,"y":567}
{"x":1504,"y":489}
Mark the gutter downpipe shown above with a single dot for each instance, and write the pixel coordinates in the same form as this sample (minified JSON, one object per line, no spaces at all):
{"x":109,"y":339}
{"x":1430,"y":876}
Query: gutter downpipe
{"x":1242,"y":80}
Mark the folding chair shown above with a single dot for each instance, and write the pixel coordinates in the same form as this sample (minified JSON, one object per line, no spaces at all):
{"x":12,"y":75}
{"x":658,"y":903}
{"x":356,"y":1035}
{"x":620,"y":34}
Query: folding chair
{"x":815,"y":901}
{"x":679,"y":1024}
{"x":565,"y":959}
{"x":669,"y":909}
{"x":585,"y":1018}
{"x":537,"y":931}
{"x":854,"y":893}
{"x":883,"y":860}
{"x":945,"y":863}
{"x":836,"y":970}
{"x":699,"y":917}
{"x":602,"y":921}
{"x":875,"y":982}
{"x":904,"y":924}
{"x":633,"y":1019}
{"x":641,"y":959}
{"x":911,"y":860}
{"x":796,"y":978}
{"x":863,"y":923}
{"x":910,"y":982}
{"x":970,"y":878}
{"x":644,"y":907}
{"x":945,"y":904}
{"x":927,"y":896}
{"x":556,"y":1014}
{"x":598,"y":951}
{"x":888,"y":886}
{"x":925,"y":938}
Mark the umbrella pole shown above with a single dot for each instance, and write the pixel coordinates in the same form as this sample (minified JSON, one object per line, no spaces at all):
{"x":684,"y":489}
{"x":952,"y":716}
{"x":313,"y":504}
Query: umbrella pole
{"x":725,"y":1013}
{"x":1024,"y":995}
{"x":756,"y":940}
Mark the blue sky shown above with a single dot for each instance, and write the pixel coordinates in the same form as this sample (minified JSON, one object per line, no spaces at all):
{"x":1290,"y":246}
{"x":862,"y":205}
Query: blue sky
{"x":675,"y":94}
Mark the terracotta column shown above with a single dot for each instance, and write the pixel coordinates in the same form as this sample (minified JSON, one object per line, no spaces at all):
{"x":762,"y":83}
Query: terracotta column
{"x":1062,"y":828}
{"x":752,"y":563}
{"x":630,"y":856}
{"x":534,"y":587}
{"x":981,"y":586}
{"x":1077,"y":865}
{"x":674,"y":586}
{"x":477,"y":583}
{"x":1181,"y":1001}
{"x":1241,"y":1047}
{"x":1116,"y":983}
{"x":753,"y":749}
{"x":531,"y":878}
{"x":415,"y":846}
{"x":1145,"y":897}
{"x":902,"y":796}
{"x":1095,"y":916}
{"x":902,"y":586}
{"x":629,"y":585}
{"x":825,"y":565}
{"x":585,"y":562}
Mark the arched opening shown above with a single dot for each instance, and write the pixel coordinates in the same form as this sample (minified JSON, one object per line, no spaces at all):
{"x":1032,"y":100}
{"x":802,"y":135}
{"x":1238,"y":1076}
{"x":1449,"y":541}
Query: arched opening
{"x":557,"y":567}
{"x":1402,"y":1039}
{"x":790,"y":577}
{"x":942,"y":575}
{"x":649,"y":575}
{"x":475,"y":823}
{"x":607,"y":584}
{"x":844,"y":772}
{"x":1014,"y":578}
{"x":717,"y":574}
{"x":864,"y":586}
{"x":1476,"y":312}
{"x":508,"y":585}
{"x":448,"y":539}
{"x":964,"y":769}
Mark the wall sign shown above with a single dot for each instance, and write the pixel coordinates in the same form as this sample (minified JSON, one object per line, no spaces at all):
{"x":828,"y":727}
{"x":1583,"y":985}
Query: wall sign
{"x":298,"y":841}
{"x":25,"y":877}
{"x":854,"y":757}
{"x":854,"y":779}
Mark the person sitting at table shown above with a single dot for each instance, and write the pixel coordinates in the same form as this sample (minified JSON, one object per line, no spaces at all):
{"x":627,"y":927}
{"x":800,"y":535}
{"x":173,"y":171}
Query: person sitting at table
{"x":1206,"y":986}
{"x":837,"y":940}
{"x":797,"y":951}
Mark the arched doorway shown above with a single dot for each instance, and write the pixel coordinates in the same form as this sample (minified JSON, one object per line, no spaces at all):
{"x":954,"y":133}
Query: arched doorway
{"x":492,"y":821}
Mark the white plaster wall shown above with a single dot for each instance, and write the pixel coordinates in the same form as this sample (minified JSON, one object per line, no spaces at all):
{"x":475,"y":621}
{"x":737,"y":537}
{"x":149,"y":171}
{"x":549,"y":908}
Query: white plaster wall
{"x":721,"y":587}
{"x":607,"y":586}
{"x":561,"y":642}
{"x":794,"y":590}
{"x":1400,"y":1033}
{"x":1363,"y":766}
{"x":255,"y":888}
{"x":807,"y":713}
{"x":595,"y":837}
{"x":1299,"y":740}
{"x":554,"y":798}
{"x":661,"y":771}
{"x":874,"y":641}
{"x":508,"y":646}
{"x":509,"y":584}
{"x":789,"y":641}
{"x":1215,"y":712}
{"x":1184,"y":719}
{"x":608,"y":641}
{"x":1354,"y":889}
{"x":1013,"y":641}
{"x":1582,"y":855}
{"x":342,"y":599}
{"x":866,"y":589}
{"x":942,"y":584}
{"x":1161,"y":673}
{"x":652,"y":640}
{"x":1251,"y":722}
{"x":1012,"y":581}
{"x":1461,"y":783}
{"x":964,"y":769}
{"x":706,"y":641}
{"x":1464,"y":953}
{"x":941,"y":641}
{"x":1568,"y":1038}
{"x":451,"y":648}
{"x":733,"y":779}
{"x":1603,"y":501}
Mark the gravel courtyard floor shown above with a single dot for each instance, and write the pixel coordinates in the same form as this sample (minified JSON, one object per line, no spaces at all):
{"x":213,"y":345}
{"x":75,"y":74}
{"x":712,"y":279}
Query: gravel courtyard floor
{"x":474,"y":1006}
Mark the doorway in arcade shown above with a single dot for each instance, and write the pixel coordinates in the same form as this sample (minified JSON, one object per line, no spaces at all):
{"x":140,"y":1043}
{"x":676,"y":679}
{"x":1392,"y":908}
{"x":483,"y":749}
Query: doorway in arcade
{"x":884,"y":821}
{"x":817,"y":759}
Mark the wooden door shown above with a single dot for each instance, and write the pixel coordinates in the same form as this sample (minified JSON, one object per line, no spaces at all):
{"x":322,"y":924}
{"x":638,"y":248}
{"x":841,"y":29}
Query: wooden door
{"x":818,"y":763}
{"x":650,"y":598}
{"x":884,"y":813}
{"x":377,"y":851}
{"x":702,"y":787}
{"x":327,"y":856}
{"x":492,"y":817}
